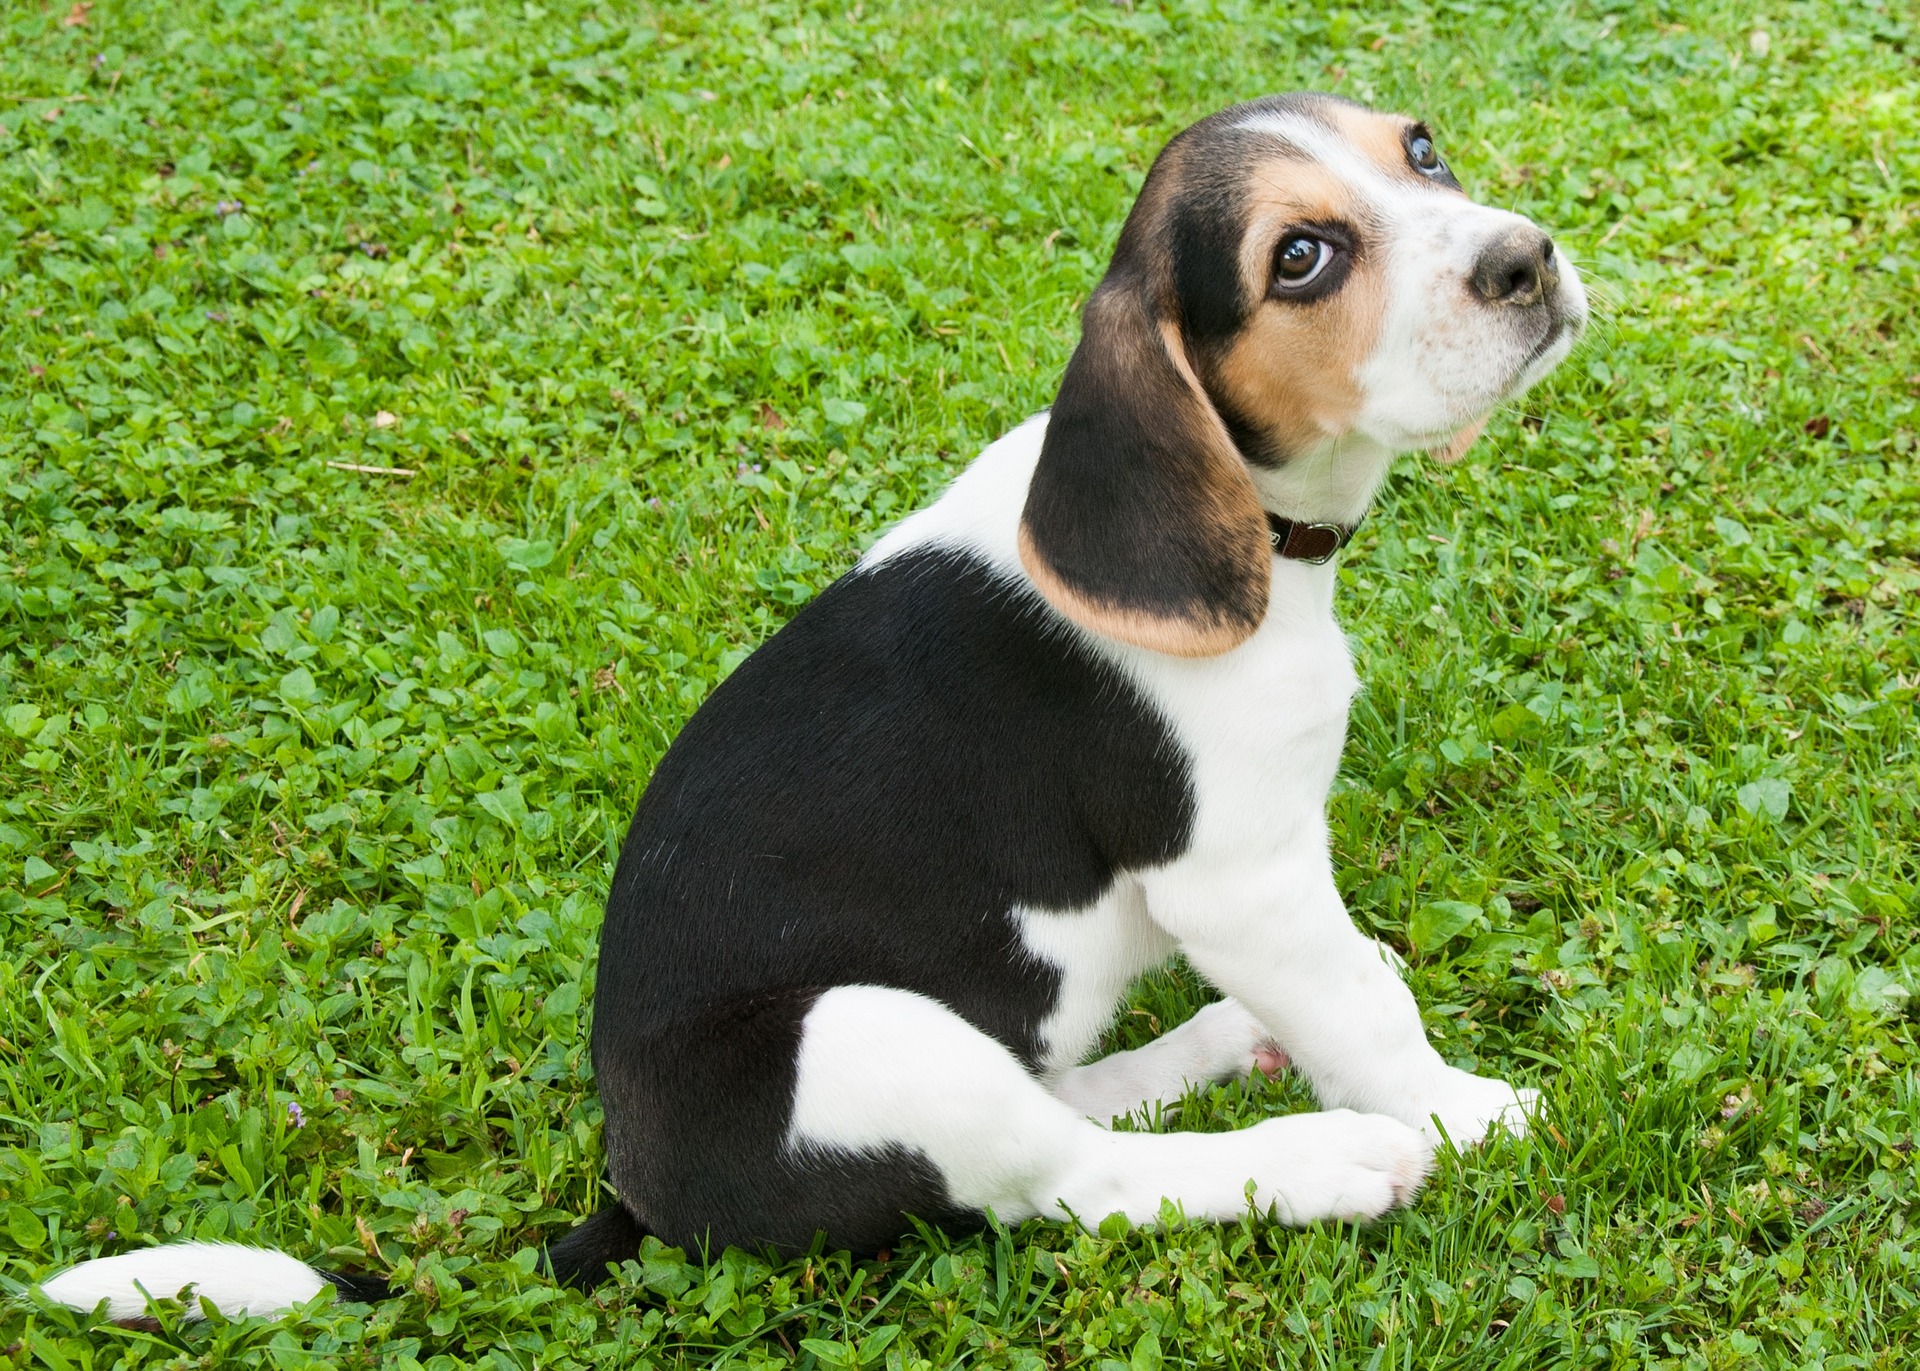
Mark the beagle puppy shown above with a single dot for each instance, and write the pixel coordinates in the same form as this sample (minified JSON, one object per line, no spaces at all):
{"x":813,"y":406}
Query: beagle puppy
{"x":891,"y":882}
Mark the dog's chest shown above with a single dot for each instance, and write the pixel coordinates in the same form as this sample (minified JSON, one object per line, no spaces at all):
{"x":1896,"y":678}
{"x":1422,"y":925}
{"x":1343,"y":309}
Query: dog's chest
{"x":1261,"y":733}
{"x":1262,"y":729}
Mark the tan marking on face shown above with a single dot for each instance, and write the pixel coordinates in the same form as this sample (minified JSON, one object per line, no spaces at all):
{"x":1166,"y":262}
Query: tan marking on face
{"x":1380,"y":138}
{"x":1292,"y":370}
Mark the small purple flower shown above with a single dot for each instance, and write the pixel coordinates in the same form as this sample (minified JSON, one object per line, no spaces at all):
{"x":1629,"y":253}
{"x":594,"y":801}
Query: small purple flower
{"x":296,"y":1115}
{"x":654,"y":503}
{"x":112,"y":1235}
{"x":226,"y":207}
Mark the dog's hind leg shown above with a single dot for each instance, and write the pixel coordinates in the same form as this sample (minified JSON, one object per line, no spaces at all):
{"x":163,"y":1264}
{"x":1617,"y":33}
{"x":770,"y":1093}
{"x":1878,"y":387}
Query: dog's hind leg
{"x":883,"y":1071}
{"x":1223,"y":1042}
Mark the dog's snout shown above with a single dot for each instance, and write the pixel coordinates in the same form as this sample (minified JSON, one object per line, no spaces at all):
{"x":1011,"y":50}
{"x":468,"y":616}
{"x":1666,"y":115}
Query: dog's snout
{"x":1517,"y":268}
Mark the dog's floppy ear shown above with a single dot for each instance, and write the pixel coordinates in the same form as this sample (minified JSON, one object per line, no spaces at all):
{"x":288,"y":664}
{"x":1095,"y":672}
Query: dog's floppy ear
{"x":1141,"y":522}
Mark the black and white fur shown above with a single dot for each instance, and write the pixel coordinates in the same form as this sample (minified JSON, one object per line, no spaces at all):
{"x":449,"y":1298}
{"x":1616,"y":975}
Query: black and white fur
{"x":886,"y":889}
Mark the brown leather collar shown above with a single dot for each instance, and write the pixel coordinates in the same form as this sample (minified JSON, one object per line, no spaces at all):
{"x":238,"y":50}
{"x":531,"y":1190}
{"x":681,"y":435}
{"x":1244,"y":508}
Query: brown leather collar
{"x":1309,"y":543}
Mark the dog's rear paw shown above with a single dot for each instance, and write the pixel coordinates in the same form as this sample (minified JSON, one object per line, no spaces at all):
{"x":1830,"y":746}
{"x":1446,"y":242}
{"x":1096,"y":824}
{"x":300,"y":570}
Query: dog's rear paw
{"x":1232,"y":1044}
{"x":1269,"y":1059}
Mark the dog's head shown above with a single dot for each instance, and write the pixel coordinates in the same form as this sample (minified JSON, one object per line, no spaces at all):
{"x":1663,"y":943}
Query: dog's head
{"x":1301,"y":291}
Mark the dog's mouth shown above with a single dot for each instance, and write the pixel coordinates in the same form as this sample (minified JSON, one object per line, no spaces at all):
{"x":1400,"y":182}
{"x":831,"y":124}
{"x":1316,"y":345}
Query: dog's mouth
{"x":1451,"y":444}
{"x":1563,"y":327}
{"x":1562,"y":332}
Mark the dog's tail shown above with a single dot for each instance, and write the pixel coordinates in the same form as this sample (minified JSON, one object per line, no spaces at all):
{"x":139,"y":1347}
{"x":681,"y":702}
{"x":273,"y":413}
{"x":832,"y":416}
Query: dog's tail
{"x":237,"y":1279}
{"x":241,"y":1280}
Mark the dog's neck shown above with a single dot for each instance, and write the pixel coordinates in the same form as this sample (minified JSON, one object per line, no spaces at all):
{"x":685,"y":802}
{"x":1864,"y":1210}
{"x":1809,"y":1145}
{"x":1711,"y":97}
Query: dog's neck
{"x":1334,"y":483}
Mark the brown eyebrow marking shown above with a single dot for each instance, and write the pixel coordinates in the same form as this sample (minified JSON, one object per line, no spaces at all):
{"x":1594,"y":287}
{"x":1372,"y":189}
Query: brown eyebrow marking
{"x":1380,"y":138}
{"x":1311,"y":192}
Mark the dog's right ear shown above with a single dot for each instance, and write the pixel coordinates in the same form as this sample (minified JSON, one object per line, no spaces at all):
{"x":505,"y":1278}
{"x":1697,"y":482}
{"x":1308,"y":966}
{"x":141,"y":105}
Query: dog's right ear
{"x":1142,"y":522}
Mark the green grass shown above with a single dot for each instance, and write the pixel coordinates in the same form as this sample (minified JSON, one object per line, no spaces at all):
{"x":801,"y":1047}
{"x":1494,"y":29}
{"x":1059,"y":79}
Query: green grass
{"x":310,"y":778}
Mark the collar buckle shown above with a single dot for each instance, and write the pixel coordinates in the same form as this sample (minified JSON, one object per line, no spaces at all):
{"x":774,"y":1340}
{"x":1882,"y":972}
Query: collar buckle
{"x":1314,"y":544}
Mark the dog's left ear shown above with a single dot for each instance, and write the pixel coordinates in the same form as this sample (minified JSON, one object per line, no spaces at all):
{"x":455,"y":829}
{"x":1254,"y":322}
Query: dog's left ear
{"x":1142,"y":522}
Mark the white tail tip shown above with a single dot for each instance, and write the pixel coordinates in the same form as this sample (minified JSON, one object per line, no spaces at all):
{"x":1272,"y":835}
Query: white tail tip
{"x":239,"y":1280}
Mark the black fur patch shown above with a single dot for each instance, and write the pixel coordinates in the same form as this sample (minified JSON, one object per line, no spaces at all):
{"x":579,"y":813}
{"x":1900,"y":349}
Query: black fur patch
{"x":863,"y":802}
{"x":696,"y":1123}
{"x":1205,"y":223}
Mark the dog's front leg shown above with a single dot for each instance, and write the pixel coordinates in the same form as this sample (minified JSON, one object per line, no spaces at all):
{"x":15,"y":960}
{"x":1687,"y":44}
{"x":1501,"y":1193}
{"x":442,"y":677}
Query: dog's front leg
{"x":1275,"y":935}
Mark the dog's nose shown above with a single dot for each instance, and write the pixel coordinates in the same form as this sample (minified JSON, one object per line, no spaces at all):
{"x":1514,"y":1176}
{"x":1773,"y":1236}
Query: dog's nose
{"x":1517,"y":268}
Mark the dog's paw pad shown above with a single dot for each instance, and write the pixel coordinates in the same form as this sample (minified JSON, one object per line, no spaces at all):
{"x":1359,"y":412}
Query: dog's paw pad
{"x":1269,"y":1059}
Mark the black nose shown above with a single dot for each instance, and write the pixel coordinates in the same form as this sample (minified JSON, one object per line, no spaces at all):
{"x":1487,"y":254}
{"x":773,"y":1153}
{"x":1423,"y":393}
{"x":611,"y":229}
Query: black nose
{"x":1516,"y":268}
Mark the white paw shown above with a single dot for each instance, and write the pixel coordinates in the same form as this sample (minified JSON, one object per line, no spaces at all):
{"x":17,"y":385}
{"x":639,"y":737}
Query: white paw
{"x":1337,"y":1165}
{"x":1230,"y":1043}
{"x":1469,"y":1107}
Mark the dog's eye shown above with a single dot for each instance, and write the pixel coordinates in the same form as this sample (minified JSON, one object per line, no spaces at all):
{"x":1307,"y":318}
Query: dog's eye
{"x":1422,"y":153}
{"x":1299,"y":260}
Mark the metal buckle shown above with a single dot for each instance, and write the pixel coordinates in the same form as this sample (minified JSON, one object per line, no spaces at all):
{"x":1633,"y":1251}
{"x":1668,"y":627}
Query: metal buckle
{"x":1284,"y":544}
{"x":1339,"y":541}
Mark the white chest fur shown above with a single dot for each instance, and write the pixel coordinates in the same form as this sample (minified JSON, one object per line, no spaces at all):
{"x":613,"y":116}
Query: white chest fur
{"x":1263,"y":725}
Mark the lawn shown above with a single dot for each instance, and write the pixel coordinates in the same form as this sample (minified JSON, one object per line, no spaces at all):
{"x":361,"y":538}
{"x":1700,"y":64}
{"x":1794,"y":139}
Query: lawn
{"x":411,"y":412}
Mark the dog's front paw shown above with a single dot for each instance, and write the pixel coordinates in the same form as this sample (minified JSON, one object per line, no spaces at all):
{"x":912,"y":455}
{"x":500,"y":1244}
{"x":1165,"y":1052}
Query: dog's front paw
{"x":1466,"y":1108}
{"x":1339,"y":1165}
